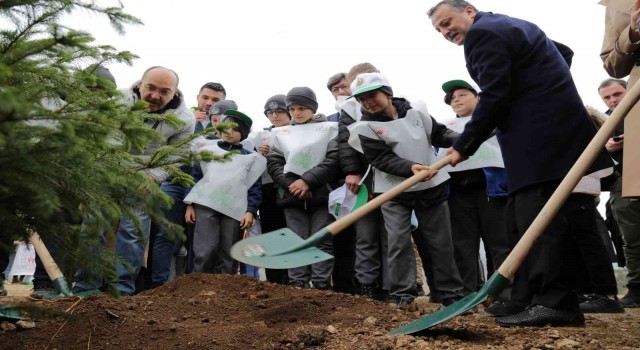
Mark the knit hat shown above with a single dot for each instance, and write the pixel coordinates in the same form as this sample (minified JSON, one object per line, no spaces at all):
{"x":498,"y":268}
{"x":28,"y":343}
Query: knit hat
{"x":102,"y":72}
{"x":366,"y":82}
{"x":303,"y":96}
{"x":221,"y":106}
{"x":276,"y":102}
{"x":243,"y":121}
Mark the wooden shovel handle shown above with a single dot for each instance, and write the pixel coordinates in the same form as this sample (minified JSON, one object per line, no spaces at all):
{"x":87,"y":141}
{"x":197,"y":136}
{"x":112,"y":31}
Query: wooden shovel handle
{"x":375,"y":203}
{"x":49,"y":264}
{"x":560,"y":195}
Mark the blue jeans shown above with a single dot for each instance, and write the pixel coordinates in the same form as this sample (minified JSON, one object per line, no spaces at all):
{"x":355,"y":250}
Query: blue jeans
{"x":130,"y":247}
{"x":163,"y":246}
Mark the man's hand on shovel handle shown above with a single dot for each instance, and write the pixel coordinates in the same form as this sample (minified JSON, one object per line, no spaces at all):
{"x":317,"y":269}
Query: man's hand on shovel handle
{"x":457,"y":157}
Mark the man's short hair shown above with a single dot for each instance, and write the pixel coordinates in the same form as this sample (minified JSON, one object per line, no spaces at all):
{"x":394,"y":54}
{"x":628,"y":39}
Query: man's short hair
{"x":215,"y":87}
{"x":611,"y":81}
{"x":161,"y":67}
{"x":364,"y":67}
{"x":458,"y":5}
{"x":336,"y":78}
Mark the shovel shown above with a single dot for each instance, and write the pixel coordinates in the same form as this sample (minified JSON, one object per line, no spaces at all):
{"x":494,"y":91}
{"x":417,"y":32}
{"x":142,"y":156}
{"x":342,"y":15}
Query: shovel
{"x":284,"y":249}
{"x":56,"y":276}
{"x":507,"y":270}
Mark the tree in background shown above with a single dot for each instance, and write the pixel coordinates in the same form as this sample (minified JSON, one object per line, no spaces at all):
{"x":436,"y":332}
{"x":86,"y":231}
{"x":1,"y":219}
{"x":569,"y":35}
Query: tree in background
{"x":67,"y":142}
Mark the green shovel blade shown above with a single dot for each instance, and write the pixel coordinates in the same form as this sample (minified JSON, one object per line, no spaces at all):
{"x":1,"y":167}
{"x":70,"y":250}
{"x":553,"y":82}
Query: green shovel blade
{"x":494,"y":285}
{"x":9,"y":313}
{"x":281,"y":249}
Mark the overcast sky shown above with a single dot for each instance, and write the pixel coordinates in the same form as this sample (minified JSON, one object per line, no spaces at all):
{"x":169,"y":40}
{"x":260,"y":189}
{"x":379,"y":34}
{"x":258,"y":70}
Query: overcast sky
{"x":258,"y":48}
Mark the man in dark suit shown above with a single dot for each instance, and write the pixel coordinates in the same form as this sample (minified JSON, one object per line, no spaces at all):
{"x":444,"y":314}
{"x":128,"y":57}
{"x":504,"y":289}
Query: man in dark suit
{"x":529,"y":98}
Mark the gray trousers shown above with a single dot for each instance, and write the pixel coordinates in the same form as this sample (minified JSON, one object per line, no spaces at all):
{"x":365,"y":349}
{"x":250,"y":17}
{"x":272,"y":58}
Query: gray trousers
{"x":433,"y":237}
{"x":213,"y":236}
{"x":371,"y":250}
{"x":305,"y":222}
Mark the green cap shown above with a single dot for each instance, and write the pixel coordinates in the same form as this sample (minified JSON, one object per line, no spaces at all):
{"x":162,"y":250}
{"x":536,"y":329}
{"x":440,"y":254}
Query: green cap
{"x":237,"y":114}
{"x":457,"y":84}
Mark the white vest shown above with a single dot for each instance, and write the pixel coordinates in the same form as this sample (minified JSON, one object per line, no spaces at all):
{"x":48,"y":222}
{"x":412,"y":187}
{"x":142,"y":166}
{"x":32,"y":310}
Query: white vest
{"x":224,"y":185}
{"x":304,"y":146}
{"x":257,"y":139}
{"x":488,"y":155}
{"x":409,"y":138}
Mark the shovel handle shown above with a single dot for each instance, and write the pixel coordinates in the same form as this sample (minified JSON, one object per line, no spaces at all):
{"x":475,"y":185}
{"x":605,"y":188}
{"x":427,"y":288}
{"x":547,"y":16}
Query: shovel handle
{"x":49,"y":264}
{"x":560,"y":195}
{"x":339,"y":225}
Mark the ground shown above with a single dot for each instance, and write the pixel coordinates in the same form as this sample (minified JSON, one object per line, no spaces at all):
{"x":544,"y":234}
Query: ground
{"x":237,"y":312}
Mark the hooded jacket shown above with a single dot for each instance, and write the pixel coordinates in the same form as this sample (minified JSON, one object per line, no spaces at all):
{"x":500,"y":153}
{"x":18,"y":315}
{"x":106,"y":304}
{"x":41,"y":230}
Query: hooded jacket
{"x":172,"y":136}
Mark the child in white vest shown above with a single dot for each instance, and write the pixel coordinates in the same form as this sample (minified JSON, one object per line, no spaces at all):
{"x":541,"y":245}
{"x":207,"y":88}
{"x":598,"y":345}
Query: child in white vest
{"x":225,"y":199}
{"x":303,"y":162}
{"x":397,"y":140}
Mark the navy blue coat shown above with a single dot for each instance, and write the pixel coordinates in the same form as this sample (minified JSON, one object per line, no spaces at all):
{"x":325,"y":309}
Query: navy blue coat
{"x":529,"y":96}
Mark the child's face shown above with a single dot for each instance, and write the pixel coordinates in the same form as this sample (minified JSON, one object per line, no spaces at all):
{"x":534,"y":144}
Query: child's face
{"x":232,"y":136}
{"x":374,"y":101}
{"x":300,"y":113}
{"x":215,"y":119}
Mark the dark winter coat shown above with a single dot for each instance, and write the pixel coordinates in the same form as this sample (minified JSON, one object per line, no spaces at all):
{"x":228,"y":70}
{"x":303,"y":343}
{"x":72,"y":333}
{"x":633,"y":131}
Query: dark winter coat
{"x":529,"y":96}
{"x":321,"y":179}
{"x":381,"y":156}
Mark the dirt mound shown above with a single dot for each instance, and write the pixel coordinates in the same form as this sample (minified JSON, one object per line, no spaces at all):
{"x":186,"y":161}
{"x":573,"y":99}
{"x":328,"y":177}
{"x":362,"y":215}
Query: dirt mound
{"x":236,"y":312}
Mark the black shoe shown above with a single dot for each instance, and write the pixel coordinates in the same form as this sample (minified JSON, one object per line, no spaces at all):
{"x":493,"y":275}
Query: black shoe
{"x":300,"y":284}
{"x":321,"y":285}
{"x":3,"y":292}
{"x":420,"y":290}
{"x":601,"y":304}
{"x":504,"y":308}
{"x":540,"y":316}
{"x":631,"y":300}
{"x":400,"y":301}
{"x":366,"y":289}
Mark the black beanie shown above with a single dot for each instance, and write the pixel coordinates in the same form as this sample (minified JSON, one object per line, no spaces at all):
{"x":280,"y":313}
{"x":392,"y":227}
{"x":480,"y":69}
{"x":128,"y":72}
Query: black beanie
{"x":275,"y":102}
{"x":303,"y":96}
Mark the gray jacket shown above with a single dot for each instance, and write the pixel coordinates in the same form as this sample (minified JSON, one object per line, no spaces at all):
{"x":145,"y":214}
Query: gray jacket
{"x":177,"y":107}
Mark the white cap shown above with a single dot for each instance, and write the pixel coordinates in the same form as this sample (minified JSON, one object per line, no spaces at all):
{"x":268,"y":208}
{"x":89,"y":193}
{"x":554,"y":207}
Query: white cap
{"x":366,"y":82}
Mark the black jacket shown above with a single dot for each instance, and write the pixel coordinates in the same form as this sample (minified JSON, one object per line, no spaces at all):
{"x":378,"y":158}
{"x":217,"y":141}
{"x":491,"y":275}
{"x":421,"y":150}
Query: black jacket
{"x":320,"y":178}
{"x":382,"y":157}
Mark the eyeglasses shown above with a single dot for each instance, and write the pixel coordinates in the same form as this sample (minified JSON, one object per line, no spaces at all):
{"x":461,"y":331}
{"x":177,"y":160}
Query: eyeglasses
{"x":162,"y":91}
{"x":276,"y":112}
{"x":337,"y":88}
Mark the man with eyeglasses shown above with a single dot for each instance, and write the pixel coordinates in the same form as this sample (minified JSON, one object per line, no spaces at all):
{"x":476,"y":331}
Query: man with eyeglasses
{"x":344,"y":243}
{"x":159,"y":88}
{"x":339,"y":87}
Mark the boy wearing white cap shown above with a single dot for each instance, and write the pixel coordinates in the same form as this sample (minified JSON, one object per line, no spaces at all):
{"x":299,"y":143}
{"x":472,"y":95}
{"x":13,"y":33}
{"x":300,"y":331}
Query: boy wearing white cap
{"x":397,"y":140}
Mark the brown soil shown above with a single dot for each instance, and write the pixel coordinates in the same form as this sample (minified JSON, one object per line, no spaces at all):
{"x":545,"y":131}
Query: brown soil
{"x":236,"y":312}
